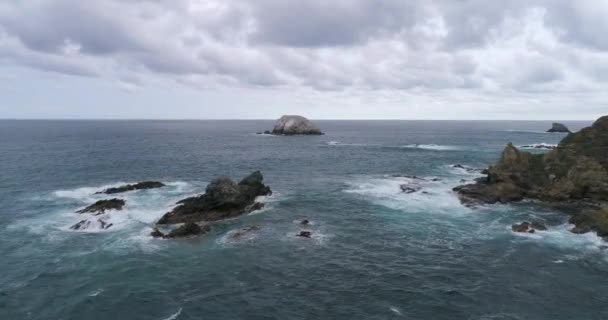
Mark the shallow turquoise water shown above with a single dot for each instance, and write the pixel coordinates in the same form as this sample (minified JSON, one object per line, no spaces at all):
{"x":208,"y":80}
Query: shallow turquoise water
{"x":376,"y":253}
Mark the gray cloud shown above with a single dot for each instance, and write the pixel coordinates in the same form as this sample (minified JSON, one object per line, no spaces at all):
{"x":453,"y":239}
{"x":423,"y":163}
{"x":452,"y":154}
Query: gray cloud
{"x":324,"y":45}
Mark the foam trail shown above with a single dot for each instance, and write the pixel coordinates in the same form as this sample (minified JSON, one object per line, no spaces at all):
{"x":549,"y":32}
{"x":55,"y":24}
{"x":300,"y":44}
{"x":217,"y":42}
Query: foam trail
{"x":395,"y":310}
{"x":175,"y":315}
{"x":435,"y":147}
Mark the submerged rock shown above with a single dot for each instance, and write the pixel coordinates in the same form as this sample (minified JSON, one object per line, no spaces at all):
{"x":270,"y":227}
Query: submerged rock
{"x":136,"y":186}
{"x":528,"y":227}
{"x":157,"y":233}
{"x":576,"y":173}
{"x":295,"y":125}
{"x":189,"y":229}
{"x":223,"y":199}
{"x":304,"y":234}
{"x":410,"y":188}
{"x":558,"y":127}
{"x":305,"y":222}
{"x":91,"y":224}
{"x":243,"y":232}
{"x":101,"y":206}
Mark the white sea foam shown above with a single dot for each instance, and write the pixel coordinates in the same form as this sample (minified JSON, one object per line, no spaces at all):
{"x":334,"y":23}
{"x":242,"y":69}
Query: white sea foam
{"x":541,"y":145}
{"x":395,"y":310}
{"x":95,"y":293}
{"x":345,"y":144}
{"x":561,"y":236}
{"x":434,"y":196}
{"x":432,"y":147}
{"x":174,"y":316}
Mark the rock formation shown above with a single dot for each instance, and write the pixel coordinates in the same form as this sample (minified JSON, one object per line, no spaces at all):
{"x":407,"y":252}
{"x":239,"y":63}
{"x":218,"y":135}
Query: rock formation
{"x":186,"y":230}
{"x":304,"y":234}
{"x":529,"y":227}
{"x":90,"y":224}
{"x":295,"y":125}
{"x":575,"y":173}
{"x":223,"y":198}
{"x":136,"y":186}
{"x":101,"y":206}
{"x":558,"y":127}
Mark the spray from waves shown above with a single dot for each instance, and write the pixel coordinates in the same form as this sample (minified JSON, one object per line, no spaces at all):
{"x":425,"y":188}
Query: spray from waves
{"x":174,"y":316}
{"x":344,"y":144}
{"x":268,"y":201}
{"x":435,"y":147}
{"x":561,"y":236}
{"x":130,"y":227}
{"x":432,"y":196}
{"x":541,"y":145}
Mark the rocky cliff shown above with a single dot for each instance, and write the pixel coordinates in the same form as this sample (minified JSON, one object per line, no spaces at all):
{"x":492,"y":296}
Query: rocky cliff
{"x":576,"y":172}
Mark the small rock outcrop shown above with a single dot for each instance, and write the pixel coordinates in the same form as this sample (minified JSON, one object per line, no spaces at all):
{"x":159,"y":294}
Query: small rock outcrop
{"x":101,"y":206}
{"x":529,"y":227}
{"x":410,"y":188}
{"x":591,"y":220}
{"x":91,"y":224}
{"x":304,"y":234}
{"x":223,"y":199}
{"x":243,"y":232}
{"x":558,"y":127}
{"x":189,"y":229}
{"x":575,"y":173}
{"x":295,"y":125}
{"x":135,"y":186}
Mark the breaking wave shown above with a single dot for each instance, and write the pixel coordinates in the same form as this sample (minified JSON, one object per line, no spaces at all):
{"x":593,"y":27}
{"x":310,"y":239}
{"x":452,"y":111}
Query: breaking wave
{"x":541,"y":145}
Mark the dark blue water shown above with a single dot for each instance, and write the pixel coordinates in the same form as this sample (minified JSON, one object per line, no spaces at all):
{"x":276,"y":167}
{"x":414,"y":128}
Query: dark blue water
{"x":376,"y":253}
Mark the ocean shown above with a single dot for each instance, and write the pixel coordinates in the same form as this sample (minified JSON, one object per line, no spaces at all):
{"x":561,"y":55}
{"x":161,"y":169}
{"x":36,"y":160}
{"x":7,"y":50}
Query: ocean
{"x":375,"y":252}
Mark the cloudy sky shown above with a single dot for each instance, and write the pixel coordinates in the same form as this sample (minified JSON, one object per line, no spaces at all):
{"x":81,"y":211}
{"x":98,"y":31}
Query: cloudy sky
{"x":338,"y":59}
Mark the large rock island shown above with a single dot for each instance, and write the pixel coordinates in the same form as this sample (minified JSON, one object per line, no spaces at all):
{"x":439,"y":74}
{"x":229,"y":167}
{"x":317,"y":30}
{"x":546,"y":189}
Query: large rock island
{"x":558,"y":127}
{"x":295,"y":125}
{"x":575,"y":174}
{"x":223,"y":199}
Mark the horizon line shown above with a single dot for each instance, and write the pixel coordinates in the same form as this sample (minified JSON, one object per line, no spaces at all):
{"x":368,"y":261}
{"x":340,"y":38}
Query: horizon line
{"x":269,"y":119}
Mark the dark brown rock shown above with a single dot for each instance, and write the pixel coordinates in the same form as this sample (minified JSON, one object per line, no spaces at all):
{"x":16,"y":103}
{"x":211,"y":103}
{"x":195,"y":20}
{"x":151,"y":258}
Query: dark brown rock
{"x":131,"y":187}
{"x":101,"y":206}
{"x":522,"y":227}
{"x":223,"y":199}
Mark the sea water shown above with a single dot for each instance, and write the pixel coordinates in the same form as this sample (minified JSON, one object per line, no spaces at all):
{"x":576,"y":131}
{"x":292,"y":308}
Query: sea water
{"x":375,"y":252}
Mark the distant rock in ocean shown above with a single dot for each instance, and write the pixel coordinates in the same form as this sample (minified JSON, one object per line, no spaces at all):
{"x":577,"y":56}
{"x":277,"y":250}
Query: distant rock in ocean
{"x":573,"y":174}
{"x":295,"y":125}
{"x":558,"y":127}
{"x":223,"y":199}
